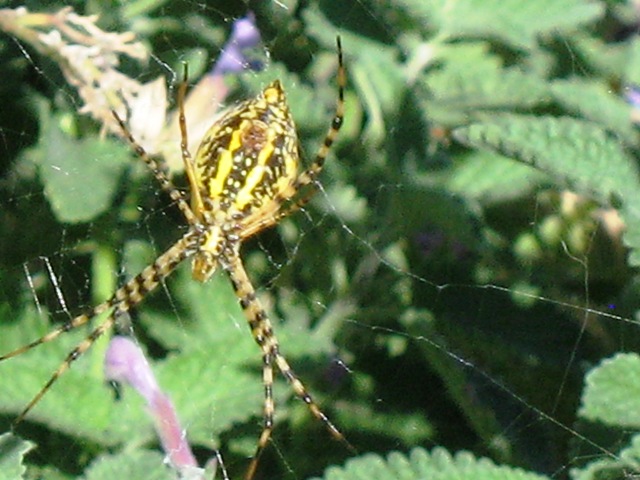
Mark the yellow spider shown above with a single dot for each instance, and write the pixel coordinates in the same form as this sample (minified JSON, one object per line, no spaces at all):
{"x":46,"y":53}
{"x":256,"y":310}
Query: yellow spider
{"x":244,"y":178}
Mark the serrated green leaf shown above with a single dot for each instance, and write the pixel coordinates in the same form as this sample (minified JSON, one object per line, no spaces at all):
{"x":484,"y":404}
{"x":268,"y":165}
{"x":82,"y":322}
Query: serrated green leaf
{"x":438,"y":464}
{"x":490,"y":178}
{"x":622,"y":465}
{"x":210,"y":314}
{"x":572,"y":150}
{"x":12,"y":451}
{"x":597,"y":103}
{"x":80,"y":177}
{"x":512,"y":21}
{"x":607,"y":59}
{"x":210,"y":380}
{"x":472,"y":79}
{"x":133,"y":465}
{"x":612,"y":392}
{"x":575,"y":152}
{"x":213,"y":389}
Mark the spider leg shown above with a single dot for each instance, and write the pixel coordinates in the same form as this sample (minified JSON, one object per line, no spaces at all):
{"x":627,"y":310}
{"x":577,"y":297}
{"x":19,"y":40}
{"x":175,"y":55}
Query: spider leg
{"x":196,"y":196}
{"x":263,"y":334}
{"x":126,"y":297}
{"x":309,"y":176}
{"x":158,"y":169}
{"x":70,"y":358}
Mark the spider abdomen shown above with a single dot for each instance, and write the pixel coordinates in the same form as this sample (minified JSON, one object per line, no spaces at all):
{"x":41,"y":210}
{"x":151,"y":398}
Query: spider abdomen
{"x":250,"y":155}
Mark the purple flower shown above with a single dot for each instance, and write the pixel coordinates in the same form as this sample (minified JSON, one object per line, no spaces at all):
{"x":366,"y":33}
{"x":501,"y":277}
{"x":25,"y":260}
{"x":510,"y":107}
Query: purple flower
{"x":125,"y":363}
{"x":244,"y":36}
{"x":633,"y":96}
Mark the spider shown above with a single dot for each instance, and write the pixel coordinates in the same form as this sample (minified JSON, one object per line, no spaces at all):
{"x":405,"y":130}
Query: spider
{"x":243,"y":179}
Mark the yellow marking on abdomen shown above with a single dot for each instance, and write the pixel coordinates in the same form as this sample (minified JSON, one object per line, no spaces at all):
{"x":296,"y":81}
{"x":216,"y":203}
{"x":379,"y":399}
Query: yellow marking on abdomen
{"x":225,"y":164}
{"x":257,"y":173}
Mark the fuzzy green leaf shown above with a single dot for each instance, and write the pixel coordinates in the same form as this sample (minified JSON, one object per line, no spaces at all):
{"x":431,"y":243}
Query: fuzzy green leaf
{"x":512,"y":21}
{"x":472,"y":79}
{"x":78,"y":404}
{"x":134,"y":465}
{"x":12,"y":451}
{"x":597,"y":103}
{"x":612,"y":392}
{"x":438,"y":464}
{"x":577,"y":153}
{"x":490,"y":178}
{"x":612,"y":466}
{"x":623,"y":465}
{"x":80,"y":177}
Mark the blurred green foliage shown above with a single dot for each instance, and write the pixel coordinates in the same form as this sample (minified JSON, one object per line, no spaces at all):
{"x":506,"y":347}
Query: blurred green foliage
{"x":468,"y":263}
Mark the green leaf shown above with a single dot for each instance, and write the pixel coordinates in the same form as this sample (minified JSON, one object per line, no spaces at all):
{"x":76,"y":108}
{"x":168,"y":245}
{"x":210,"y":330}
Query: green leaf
{"x":216,"y":380}
{"x":76,"y":404}
{"x":209,"y":378}
{"x":12,"y":451}
{"x":512,"y":21}
{"x":133,"y":465}
{"x":607,"y":59}
{"x":612,"y":466}
{"x":612,"y":392}
{"x":472,"y":79}
{"x":596,"y":102}
{"x":473,"y":76}
{"x":80,"y":177}
{"x":623,"y":465}
{"x":420,"y":464}
{"x":574,"y":152}
{"x":490,"y":178}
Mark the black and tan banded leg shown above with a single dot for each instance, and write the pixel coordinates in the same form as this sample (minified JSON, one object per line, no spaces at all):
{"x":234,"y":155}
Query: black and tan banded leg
{"x":263,"y":334}
{"x":126,"y":297}
{"x":158,"y":168}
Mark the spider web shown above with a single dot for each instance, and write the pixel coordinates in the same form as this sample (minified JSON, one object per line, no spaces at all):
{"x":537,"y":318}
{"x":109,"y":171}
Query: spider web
{"x":432,"y":295}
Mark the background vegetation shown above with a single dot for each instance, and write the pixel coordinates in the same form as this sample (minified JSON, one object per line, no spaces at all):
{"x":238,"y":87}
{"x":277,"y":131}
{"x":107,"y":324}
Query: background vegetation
{"x":462,"y":291}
